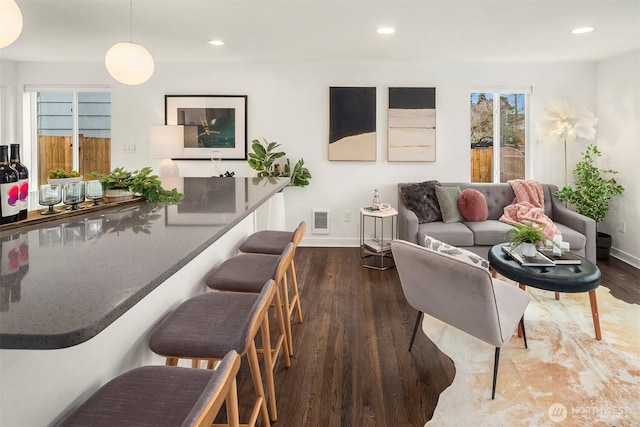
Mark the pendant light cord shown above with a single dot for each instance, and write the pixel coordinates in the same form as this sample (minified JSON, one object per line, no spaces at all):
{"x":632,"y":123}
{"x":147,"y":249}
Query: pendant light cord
{"x":130,"y":21}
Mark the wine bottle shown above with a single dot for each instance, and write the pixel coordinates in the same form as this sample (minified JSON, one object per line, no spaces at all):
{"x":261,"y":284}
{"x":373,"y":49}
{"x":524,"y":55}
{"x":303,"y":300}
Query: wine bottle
{"x":23,"y":181}
{"x":9,"y":208}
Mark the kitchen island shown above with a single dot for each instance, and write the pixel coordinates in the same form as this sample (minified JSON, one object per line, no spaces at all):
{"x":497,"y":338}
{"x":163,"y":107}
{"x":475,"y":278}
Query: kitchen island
{"x":77,"y":308}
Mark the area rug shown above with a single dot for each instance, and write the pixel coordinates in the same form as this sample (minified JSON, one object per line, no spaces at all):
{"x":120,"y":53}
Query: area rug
{"x":565,"y":378}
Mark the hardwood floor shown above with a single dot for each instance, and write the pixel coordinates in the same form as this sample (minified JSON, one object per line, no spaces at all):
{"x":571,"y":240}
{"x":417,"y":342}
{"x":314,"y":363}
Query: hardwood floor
{"x":351,"y":366}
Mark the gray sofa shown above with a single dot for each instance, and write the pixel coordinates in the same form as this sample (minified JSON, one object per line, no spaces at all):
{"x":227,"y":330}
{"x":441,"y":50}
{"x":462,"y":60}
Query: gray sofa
{"x":478,"y":237}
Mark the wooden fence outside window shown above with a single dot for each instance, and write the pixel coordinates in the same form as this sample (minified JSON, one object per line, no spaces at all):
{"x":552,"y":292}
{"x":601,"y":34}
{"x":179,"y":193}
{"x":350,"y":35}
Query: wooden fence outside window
{"x":55,"y":152}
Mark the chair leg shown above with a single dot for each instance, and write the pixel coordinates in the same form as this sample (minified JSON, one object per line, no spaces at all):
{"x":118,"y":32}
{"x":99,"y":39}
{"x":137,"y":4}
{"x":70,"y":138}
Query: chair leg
{"x":287,"y":312}
{"x":495,"y":372}
{"x":296,"y":294}
{"x":524,"y":333}
{"x":415,"y":329}
{"x":268,"y":368}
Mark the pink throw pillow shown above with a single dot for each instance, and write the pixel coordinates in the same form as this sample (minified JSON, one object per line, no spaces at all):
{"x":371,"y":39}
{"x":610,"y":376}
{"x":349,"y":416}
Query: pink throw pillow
{"x":473,"y":205}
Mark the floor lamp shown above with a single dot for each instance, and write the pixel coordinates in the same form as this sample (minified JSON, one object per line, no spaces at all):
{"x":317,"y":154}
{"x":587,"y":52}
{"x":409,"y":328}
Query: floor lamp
{"x":564,"y":122}
{"x":167,"y":142}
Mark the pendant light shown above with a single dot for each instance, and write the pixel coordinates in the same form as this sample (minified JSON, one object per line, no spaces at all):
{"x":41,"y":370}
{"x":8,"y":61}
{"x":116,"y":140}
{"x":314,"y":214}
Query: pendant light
{"x":10,"y":22}
{"x":127,"y":62}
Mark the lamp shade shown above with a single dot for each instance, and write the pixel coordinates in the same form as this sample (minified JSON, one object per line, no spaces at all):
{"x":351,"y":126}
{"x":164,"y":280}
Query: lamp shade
{"x":10,"y":22}
{"x":166,"y":141}
{"x":129,"y":63}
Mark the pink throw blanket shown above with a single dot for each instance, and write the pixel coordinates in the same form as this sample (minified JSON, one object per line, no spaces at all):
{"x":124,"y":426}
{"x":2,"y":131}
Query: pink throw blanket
{"x":528,"y":207}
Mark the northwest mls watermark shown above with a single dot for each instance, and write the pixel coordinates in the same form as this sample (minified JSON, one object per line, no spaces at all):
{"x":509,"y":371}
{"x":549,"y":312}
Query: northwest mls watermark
{"x":557,"y":412}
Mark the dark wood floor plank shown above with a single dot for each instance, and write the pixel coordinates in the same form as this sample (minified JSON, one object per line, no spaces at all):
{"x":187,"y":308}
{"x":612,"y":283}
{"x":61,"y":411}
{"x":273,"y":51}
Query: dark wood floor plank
{"x":351,"y":366}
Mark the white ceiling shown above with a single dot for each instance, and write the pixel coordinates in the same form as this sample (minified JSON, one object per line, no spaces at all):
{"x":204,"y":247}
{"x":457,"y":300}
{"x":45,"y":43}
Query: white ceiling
{"x":327,"y":30}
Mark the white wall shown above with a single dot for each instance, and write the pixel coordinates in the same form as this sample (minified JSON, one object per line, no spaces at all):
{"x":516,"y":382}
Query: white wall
{"x":618,"y":96}
{"x":288,"y":103}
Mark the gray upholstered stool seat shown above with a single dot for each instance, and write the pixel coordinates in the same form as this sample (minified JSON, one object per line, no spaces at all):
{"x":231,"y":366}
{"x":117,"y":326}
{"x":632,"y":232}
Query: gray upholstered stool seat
{"x":162,"y":396}
{"x":274,"y":242}
{"x":245,"y":273}
{"x":209,"y":325}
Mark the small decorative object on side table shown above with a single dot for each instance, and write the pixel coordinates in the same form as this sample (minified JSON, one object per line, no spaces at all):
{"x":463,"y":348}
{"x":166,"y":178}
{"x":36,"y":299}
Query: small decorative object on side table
{"x":375,"y":251}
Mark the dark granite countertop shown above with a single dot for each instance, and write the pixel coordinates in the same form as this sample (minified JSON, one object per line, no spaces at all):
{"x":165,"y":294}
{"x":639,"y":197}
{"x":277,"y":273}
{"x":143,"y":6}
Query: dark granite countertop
{"x":64,"y":281}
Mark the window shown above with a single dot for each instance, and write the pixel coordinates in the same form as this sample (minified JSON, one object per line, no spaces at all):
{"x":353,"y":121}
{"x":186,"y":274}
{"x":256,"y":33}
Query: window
{"x":72,"y":131}
{"x":505,"y":121}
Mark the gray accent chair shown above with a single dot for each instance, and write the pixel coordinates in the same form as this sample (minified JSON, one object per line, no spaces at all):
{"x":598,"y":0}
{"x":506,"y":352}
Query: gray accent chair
{"x":162,"y":396}
{"x":460,"y":294}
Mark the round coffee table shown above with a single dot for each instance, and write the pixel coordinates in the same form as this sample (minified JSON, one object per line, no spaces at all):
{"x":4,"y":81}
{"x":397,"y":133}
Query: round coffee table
{"x":583,"y":277}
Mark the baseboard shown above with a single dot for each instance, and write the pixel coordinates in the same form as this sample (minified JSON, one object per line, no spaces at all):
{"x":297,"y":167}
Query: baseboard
{"x":625,"y":257}
{"x":330,"y":242}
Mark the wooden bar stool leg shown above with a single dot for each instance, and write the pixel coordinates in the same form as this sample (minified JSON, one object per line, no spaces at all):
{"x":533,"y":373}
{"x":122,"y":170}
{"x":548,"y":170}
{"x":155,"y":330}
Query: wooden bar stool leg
{"x":277,"y":302}
{"x":287,"y":312}
{"x":233,"y":414}
{"x":296,"y":294}
{"x":261,"y":404}
{"x":269,"y":367}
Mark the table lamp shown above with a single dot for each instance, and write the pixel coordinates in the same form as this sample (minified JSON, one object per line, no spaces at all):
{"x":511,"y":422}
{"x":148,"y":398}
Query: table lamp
{"x":167,"y":142}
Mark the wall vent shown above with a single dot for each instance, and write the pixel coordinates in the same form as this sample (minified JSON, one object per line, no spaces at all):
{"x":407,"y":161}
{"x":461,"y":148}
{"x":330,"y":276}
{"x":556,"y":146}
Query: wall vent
{"x":320,"y":221}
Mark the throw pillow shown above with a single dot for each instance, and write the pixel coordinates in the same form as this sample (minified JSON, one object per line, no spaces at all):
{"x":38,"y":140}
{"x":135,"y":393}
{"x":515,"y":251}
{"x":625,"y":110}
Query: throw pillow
{"x":448,"y":201}
{"x":460,"y":254}
{"x":473,"y":205}
{"x":421,"y":198}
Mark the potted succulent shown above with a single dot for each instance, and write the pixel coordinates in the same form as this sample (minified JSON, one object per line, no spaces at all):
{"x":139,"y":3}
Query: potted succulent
{"x":591,"y":194}
{"x":526,"y":236}
{"x":264,"y":159}
{"x":140,"y":182}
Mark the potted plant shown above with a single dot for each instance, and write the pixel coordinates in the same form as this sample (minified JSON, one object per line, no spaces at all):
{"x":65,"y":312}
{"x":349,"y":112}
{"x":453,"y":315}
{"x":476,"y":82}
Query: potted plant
{"x":264,"y":159}
{"x":140,"y":182}
{"x":591,"y":194}
{"x":527,"y":236}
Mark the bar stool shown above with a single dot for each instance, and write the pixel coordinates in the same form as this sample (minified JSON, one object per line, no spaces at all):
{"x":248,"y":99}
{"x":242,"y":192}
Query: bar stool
{"x":273,"y":242}
{"x":207,"y":326}
{"x":247,"y":273}
{"x":163,"y":396}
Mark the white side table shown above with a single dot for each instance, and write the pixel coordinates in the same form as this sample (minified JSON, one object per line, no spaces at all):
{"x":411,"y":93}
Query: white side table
{"x":375,"y":251}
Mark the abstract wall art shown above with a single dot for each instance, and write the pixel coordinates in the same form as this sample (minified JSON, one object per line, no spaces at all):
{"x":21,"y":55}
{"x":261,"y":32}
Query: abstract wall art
{"x":411,"y":133}
{"x":352,"y":124}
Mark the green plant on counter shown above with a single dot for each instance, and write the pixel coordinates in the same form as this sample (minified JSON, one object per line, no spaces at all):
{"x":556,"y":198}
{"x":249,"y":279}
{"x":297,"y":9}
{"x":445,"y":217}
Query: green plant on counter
{"x":592,"y":192}
{"x":264,"y":159}
{"x":141,"y":182}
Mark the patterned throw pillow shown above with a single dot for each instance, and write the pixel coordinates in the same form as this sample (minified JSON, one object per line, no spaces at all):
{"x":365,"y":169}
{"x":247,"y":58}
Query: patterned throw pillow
{"x":422,"y":200}
{"x":455,"y":252}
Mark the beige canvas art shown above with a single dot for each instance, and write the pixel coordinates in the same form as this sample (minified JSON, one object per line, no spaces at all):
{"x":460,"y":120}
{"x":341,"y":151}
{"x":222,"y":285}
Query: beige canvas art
{"x":411,"y":133}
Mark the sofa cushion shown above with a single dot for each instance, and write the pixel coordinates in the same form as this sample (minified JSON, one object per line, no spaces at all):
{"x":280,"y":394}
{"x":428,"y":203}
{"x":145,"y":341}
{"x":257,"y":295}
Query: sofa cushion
{"x":448,"y":201}
{"x":577,"y":241}
{"x":422,"y":200}
{"x":460,"y":254}
{"x":453,"y":233}
{"x":473,"y":205}
{"x":489,"y":232}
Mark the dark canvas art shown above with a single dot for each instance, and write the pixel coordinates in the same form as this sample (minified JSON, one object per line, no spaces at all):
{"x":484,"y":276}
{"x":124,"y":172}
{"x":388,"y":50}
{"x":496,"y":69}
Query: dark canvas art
{"x":352,"y":123}
{"x":411,"y":133}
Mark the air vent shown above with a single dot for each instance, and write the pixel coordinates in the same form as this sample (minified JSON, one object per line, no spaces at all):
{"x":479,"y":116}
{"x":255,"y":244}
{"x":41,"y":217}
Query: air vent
{"x":320,"y":221}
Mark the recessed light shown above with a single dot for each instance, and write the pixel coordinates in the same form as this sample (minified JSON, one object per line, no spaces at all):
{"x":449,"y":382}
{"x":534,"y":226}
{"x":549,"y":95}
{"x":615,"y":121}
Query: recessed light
{"x":386,"y":30}
{"x":216,"y":42}
{"x":582,"y":30}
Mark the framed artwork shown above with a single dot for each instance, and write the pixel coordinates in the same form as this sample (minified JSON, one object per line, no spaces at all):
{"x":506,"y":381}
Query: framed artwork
{"x":411,"y":133}
{"x":352,"y":123}
{"x":212,"y":124}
